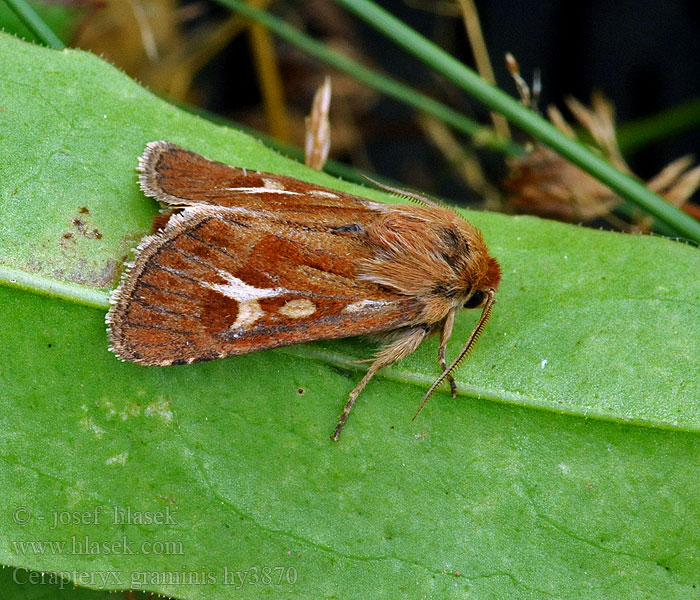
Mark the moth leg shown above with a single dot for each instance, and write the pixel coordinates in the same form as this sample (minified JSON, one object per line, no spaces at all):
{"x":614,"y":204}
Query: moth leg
{"x":445,"y":334}
{"x":397,"y":350}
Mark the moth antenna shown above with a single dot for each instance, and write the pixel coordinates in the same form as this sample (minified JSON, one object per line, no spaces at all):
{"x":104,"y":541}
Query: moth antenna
{"x":406,"y":194}
{"x":476,"y":332}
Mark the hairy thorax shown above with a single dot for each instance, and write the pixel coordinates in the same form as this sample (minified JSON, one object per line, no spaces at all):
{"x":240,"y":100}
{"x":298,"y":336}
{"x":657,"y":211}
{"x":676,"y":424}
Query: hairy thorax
{"x":432,"y":254}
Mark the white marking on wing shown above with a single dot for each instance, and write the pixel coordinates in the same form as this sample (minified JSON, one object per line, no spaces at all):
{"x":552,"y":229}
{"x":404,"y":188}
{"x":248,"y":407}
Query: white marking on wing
{"x":261,"y":190}
{"x":323,"y":194}
{"x":249,"y":311}
{"x":272,"y":184}
{"x":247,"y":296}
{"x":366,"y":305}
{"x":297,"y":309}
{"x":239,"y":290}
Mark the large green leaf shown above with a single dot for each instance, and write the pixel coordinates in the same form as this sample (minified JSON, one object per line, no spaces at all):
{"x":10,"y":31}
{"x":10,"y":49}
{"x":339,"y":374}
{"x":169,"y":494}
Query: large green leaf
{"x":595,"y":496}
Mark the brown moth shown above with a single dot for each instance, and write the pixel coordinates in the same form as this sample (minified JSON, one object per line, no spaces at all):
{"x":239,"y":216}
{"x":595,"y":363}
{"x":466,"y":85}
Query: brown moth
{"x":244,"y":261}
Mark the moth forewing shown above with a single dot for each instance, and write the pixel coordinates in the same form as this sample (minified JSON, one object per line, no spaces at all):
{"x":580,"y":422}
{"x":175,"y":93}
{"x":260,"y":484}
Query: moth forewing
{"x":220,"y":281}
{"x":250,"y":261}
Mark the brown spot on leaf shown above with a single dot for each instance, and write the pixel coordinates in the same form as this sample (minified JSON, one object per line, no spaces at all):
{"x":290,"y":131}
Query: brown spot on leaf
{"x":92,"y":233}
{"x":67,"y":241}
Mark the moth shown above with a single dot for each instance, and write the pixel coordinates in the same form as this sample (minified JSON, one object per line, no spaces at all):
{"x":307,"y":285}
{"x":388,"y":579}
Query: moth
{"x":243,"y":261}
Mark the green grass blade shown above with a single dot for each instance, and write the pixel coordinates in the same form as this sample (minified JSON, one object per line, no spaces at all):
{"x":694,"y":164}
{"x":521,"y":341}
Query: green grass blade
{"x":35,"y":23}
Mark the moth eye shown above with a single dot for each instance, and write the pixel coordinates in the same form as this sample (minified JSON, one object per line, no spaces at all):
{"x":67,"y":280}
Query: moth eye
{"x":474,"y":300}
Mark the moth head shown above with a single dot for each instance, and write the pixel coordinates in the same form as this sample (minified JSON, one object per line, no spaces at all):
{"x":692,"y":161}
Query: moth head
{"x":488,"y":284}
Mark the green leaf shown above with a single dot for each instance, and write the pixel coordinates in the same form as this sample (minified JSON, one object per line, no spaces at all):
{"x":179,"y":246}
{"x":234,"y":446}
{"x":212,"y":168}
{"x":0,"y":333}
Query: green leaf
{"x":477,"y":498}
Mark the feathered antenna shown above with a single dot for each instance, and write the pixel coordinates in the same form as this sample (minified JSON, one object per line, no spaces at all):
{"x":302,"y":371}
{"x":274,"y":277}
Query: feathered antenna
{"x":407,"y":194}
{"x":476,"y":332}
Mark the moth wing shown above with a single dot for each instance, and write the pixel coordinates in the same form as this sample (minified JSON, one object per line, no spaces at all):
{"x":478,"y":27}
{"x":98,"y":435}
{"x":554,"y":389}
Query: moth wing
{"x":179,"y":177}
{"x":223,"y":281}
